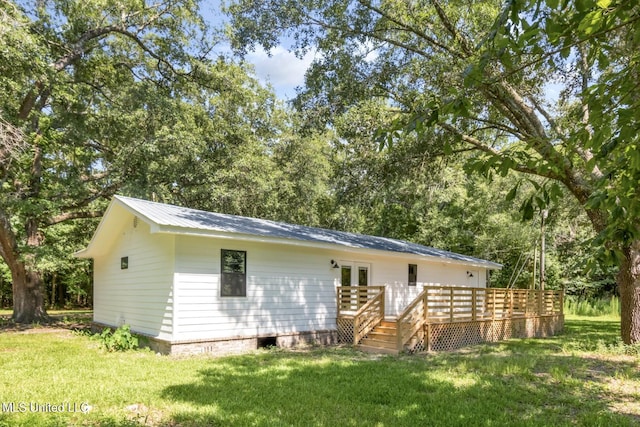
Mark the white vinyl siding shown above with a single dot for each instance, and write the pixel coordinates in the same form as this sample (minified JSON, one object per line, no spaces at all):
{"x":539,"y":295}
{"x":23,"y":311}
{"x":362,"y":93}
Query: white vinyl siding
{"x":141,"y":295}
{"x":289,"y":289}
{"x":399,"y":294}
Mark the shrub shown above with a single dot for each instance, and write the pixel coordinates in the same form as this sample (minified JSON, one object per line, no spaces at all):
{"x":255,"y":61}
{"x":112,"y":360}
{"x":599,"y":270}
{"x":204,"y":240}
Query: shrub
{"x":119,"y":340}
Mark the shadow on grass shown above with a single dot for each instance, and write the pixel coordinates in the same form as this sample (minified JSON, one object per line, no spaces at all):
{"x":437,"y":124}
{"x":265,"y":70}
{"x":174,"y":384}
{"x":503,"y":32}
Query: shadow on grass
{"x":518,"y":382}
{"x":58,"y":319}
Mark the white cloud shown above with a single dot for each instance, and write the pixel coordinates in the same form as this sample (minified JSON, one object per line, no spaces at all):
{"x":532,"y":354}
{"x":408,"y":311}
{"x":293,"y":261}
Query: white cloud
{"x":283,"y":70}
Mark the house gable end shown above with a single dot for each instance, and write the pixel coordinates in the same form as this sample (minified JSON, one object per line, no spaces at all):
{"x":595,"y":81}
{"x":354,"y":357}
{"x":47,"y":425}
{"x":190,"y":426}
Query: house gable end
{"x":116,"y":218}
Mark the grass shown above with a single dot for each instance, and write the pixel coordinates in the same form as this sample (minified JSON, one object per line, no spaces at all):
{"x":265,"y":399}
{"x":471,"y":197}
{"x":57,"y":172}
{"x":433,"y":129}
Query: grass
{"x":609,"y":306}
{"x":582,"y":377}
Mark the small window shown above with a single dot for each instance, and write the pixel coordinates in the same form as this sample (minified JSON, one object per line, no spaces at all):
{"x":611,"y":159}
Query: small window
{"x":124,"y":263}
{"x":413,"y":274}
{"x":233,"y":277}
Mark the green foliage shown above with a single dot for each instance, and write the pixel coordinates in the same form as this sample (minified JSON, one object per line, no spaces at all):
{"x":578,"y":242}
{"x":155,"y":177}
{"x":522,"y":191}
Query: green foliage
{"x":592,"y":307}
{"x":119,"y":340}
{"x":410,"y":192}
{"x":5,"y":286}
{"x":130,"y":99}
{"x":599,"y":113}
{"x":544,"y":88}
{"x":82,"y":84}
{"x":479,"y":78}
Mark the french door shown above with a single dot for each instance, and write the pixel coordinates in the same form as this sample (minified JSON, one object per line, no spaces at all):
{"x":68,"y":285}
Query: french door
{"x":355,"y":273}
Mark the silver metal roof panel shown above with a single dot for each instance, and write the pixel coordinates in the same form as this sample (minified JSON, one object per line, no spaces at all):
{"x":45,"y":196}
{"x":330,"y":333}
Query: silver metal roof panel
{"x":194,"y":220}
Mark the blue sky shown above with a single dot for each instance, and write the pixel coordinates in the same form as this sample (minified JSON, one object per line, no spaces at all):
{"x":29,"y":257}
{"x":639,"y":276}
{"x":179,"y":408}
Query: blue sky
{"x":281,"y":69}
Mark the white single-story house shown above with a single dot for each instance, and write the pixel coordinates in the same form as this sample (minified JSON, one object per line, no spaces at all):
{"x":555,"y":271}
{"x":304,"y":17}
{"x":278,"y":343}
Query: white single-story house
{"x":196,"y":281}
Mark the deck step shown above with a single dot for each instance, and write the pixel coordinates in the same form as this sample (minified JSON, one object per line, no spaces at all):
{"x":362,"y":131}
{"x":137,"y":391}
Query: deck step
{"x":378,"y":343}
{"x":383,"y":339}
{"x":381,"y":336}
{"x":377,"y":350}
{"x":388,"y":324}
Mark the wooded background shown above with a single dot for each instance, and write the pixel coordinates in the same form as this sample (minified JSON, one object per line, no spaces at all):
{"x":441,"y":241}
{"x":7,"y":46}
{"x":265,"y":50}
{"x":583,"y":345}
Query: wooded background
{"x":457,"y":124}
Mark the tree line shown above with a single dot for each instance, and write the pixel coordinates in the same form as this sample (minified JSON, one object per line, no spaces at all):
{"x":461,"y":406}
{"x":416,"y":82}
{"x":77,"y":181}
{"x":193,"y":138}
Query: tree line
{"x":427,"y":121}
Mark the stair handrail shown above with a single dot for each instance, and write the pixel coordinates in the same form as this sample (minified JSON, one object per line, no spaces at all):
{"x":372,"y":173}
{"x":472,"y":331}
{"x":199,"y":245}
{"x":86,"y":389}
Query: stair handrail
{"x":369,"y":318}
{"x":417,"y":323}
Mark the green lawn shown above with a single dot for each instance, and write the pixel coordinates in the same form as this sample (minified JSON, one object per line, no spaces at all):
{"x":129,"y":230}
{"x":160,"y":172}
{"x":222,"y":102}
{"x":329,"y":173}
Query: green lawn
{"x":583,"y":377}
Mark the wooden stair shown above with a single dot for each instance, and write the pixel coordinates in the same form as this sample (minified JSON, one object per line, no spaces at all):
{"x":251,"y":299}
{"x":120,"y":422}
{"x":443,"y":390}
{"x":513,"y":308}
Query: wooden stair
{"x":383,"y":339}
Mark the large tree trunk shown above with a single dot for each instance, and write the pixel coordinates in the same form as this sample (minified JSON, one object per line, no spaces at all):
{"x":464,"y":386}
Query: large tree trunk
{"x":629,"y":286}
{"x":27,"y":284}
{"x":28,"y":298}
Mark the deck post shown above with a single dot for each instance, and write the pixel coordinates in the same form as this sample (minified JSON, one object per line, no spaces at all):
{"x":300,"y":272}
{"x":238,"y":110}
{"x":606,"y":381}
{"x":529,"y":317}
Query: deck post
{"x":540,"y":302}
{"x":493,"y":304}
{"x":356,"y":327}
{"x":451,"y":304}
{"x":510,"y":312}
{"x":425,"y":302}
{"x":474,"y":297}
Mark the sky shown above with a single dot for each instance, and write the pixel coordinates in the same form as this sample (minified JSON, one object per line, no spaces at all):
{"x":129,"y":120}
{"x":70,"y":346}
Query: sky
{"x":282,"y":70}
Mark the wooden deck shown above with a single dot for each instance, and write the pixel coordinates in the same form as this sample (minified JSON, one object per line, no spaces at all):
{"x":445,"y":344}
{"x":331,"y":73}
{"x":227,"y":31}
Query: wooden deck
{"x":446,"y":317}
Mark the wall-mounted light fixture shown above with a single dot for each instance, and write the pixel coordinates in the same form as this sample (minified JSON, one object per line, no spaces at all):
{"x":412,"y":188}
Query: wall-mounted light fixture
{"x":334,"y":264}
{"x":469,"y":274}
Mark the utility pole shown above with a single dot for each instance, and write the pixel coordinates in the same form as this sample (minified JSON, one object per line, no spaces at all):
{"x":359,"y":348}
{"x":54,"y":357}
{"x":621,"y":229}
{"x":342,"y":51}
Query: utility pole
{"x":535,"y":265}
{"x":544,"y":214}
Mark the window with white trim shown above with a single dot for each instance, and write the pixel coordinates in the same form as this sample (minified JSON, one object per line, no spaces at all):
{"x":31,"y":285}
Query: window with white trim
{"x":413,"y":274}
{"x":233,"y":273}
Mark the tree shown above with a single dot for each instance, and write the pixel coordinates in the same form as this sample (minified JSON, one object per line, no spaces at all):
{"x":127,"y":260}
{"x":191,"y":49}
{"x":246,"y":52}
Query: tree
{"x":91,"y":92}
{"x":477,"y":74}
{"x":415,"y":192}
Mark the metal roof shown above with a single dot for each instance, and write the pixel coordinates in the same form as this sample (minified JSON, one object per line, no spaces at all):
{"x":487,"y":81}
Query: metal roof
{"x":193,"y":220}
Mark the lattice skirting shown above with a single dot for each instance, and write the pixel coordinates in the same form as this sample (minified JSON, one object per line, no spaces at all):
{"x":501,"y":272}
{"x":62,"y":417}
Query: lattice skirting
{"x":345,"y":330}
{"x":451,"y":336}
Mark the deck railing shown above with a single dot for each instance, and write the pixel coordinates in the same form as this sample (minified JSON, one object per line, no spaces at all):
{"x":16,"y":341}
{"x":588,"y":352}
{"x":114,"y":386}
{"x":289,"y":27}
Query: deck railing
{"x":368,"y":317}
{"x":411,"y":320}
{"x":352,"y":298}
{"x":365,"y":304}
{"x":447,"y":304}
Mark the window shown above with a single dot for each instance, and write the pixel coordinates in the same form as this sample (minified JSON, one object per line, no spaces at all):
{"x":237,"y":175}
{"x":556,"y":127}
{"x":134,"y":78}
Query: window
{"x":363,"y":276}
{"x":346,"y":275}
{"x":413,"y":274}
{"x":233,"y":277}
{"x":124,"y":263}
